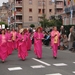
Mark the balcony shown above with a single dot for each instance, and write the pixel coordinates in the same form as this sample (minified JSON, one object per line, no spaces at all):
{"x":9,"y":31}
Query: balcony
{"x":18,"y":13}
{"x":58,"y":13}
{"x":68,"y":9}
{"x":18,"y":5}
{"x":73,"y":21}
{"x":59,"y":0}
{"x":68,"y":21}
{"x":59,"y":6}
{"x":18,"y":21}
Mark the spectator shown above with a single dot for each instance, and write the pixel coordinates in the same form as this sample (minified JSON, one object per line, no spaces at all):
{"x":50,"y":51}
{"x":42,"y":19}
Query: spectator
{"x":61,"y":42}
{"x":62,"y":30}
{"x":65,"y":42}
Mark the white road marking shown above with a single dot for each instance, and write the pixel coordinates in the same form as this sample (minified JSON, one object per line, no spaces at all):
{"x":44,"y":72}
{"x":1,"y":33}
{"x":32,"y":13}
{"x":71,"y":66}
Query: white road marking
{"x":60,"y":64}
{"x":54,"y":74}
{"x":74,"y":72}
{"x":74,"y":62}
{"x":14,"y":68}
{"x":38,"y":66}
{"x":41,"y":62}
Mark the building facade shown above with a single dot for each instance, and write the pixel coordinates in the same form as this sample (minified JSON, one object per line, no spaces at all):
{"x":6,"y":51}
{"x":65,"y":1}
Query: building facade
{"x":59,"y":5}
{"x":69,"y":13}
{"x":28,"y":12}
{"x":4,"y":12}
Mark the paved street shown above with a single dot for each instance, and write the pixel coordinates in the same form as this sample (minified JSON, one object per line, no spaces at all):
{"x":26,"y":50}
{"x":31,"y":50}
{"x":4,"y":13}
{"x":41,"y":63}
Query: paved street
{"x":63,"y":65}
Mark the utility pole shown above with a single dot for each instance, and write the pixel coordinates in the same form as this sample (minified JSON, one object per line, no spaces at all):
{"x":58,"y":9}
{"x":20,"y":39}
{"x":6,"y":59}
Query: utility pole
{"x":55,"y":7}
{"x":71,"y":12}
{"x":13,"y":9}
{"x":43,"y":13}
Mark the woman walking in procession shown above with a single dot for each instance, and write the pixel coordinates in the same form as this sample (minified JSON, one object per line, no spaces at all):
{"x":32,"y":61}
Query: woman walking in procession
{"x":3,"y":46}
{"x":14,"y":37}
{"x":29,"y":42}
{"x":55,"y":35}
{"x":38,"y":36}
{"x":22,"y":46}
{"x":9,"y":42}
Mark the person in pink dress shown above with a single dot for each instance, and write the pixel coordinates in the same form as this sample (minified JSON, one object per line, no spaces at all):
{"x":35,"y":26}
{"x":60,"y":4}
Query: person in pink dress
{"x":14,"y":36}
{"x":55,"y":35}
{"x":38,"y":36}
{"x":9,"y":41}
{"x":3,"y":46}
{"x":17,"y":41}
{"x":22,"y":47}
{"x":29,"y":42}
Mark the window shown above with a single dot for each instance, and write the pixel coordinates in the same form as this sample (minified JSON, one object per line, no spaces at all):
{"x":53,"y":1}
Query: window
{"x":39,"y":11}
{"x":50,"y":2}
{"x":43,"y":3}
{"x":39,"y":3}
{"x":19,"y":9}
{"x":19,"y":2}
{"x":30,"y":18}
{"x":50,"y":10}
{"x":30,"y":9}
{"x":30,"y":1}
{"x":39,"y":18}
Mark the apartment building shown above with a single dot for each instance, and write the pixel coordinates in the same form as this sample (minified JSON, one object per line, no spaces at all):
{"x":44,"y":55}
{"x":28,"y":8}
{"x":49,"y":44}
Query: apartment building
{"x":59,"y":5}
{"x":69,"y":12}
{"x":30,"y":11}
{"x":4,"y":12}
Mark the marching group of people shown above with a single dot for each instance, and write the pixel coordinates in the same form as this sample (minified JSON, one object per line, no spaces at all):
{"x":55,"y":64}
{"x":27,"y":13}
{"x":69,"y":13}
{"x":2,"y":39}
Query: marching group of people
{"x":11,"y":40}
{"x":23,"y":38}
{"x":67,"y":38}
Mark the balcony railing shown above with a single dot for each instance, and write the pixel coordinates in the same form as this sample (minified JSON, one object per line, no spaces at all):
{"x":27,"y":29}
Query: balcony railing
{"x":18,"y":4}
{"x":59,"y":6}
{"x":18,"y":21}
{"x":58,"y":13}
{"x":68,"y":9}
{"x":73,"y":20}
{"x":67,"y":21}
{"x":18,"y":12}
{"x":59,"y":0}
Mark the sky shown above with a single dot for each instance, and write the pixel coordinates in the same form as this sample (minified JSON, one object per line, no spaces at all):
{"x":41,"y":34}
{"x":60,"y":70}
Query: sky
{"x":1,"y":1}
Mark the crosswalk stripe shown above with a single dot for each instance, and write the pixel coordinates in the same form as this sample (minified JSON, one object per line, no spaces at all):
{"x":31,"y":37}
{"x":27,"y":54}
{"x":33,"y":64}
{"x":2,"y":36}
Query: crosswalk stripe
{"x":54,"y":74}
{"x":38,"y":66}
{"x":60,"y":64}
{"x":14,"y":68}
{"x":74,"y":62}
{"x":74,"y":72}
{"x":41,"y":62}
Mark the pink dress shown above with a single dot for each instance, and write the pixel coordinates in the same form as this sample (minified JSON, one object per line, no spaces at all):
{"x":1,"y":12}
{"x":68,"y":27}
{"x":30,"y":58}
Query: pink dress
{"x":22,"y":47}
{"x":3,"y":47}
{"x":55,"y":42}
{"x":17,"y":41}
{"x":14,"y":36}
{"x":9,"y":43}
{"x":29,"y":42}
{"x":38,"y":44}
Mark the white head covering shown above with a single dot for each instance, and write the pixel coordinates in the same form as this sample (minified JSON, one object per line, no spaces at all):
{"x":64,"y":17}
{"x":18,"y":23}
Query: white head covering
{"x":21,"y":30}
{"x":7,"y":28}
